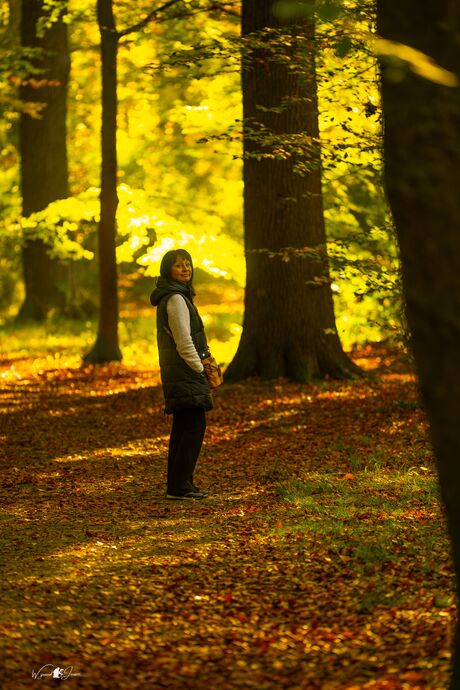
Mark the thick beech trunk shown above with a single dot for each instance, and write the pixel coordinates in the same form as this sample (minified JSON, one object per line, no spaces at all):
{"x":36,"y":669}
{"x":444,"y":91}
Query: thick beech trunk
{"x":422,"y":161}
{"x":44,"y":169}
{"x":106,"y":348}
{"x":289,"y":324}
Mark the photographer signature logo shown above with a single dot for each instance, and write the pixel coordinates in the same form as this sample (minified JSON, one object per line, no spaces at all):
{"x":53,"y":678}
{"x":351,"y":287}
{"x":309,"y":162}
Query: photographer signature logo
{"x":51,"y":671}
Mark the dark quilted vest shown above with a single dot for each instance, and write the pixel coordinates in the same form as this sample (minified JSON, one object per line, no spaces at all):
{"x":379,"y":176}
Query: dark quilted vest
{"x":182,"y":386}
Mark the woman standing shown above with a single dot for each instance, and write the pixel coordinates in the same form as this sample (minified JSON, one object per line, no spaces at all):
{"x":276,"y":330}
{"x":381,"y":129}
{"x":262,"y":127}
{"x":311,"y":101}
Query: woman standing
{"x":181,"y":347}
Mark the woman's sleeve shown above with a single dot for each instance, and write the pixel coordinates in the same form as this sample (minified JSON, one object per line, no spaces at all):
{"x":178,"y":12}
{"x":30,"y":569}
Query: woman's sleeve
{"x":179,"y":324}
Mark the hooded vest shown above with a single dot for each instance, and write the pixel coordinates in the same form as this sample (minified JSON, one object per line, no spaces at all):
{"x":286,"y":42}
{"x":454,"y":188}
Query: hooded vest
{"x":183,"y":387}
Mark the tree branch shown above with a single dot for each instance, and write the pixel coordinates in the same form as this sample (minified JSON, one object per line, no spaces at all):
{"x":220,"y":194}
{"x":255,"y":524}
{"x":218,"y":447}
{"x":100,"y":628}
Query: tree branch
{"x":147,"y":19}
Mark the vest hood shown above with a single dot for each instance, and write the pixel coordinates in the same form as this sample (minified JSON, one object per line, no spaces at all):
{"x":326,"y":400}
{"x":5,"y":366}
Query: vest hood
{"x":165,"y":286}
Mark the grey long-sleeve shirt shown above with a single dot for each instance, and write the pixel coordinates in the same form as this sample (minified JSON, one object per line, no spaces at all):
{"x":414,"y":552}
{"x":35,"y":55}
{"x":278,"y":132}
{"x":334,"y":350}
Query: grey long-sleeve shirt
{"x":179,"y":324}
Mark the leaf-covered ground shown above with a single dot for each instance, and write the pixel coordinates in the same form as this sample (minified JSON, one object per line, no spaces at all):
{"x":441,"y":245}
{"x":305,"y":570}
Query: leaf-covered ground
{"x":319,"y":560}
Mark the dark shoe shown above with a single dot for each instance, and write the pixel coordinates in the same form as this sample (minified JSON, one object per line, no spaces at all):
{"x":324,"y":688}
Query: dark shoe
{"x":200,"y":491}
{"x":189,"y":496}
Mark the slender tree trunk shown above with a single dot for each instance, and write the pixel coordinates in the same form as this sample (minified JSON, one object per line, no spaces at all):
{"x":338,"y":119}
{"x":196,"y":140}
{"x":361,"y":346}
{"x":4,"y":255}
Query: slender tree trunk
{"x":422,"y":168}
{"x":44,"y":168}
{"x":289,"y":324}
{"x":106,"y":348}
{"x":14,"y":22}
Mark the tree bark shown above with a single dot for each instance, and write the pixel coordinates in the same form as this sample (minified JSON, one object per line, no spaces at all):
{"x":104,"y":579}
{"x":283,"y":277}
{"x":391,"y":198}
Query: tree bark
{"x":106,"y":347}
{"x":44,"y":167}
{"x":422,"y":169}
{"x":289,"y":324}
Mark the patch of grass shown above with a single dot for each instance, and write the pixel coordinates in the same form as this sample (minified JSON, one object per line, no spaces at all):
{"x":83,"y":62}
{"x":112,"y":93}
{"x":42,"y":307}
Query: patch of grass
{"x":55,"y":335}
{"x":300,"y":491}
{"x":378,"y":596}
{"x":342,"y":446}
{"x":372,"y":552}
{"x":361,"y":456}
{"x":372,"y":519}
{"x":60,"y":338}
{"x":357,"y":462}
{"x":408,"y":404}
{"x":275,"y":472}
{"x":376,"y":460}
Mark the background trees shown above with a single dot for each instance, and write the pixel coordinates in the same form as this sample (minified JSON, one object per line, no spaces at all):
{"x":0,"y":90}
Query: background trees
{"x":422,"y":162}
{"x":179,"y":167}
{"x":43,"y":149}
{"x":106,"y":347}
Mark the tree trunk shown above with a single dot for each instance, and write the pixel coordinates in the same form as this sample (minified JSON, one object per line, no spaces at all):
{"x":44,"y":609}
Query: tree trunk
{"x":289,"y":324}
{"x":44,"y":168}
{"x":422,"y":168}
{"x":14,"y":22}
{"x":106,"y":348}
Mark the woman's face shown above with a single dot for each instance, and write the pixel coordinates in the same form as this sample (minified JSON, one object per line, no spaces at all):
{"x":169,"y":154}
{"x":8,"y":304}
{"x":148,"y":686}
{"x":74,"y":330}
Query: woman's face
{"x":181,"y":270}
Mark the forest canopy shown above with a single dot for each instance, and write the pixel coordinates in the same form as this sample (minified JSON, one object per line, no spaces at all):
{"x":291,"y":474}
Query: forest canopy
{"x":179,"y":145}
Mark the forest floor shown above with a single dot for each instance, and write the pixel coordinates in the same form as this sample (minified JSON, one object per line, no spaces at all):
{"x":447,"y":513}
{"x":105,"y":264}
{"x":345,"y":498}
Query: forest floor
{"x":318,"y":561}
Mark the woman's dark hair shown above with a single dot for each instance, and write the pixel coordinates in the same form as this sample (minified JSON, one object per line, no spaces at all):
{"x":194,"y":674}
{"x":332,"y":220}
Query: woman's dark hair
{"x":168,"y":260}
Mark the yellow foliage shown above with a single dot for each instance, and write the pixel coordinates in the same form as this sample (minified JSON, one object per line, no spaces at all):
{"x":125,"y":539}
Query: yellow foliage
{"x":420,"y":63}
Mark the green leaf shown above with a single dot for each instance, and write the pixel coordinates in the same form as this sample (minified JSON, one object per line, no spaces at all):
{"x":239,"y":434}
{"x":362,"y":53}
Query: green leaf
{"x":343,"y":47}
{"x":293,"y":9}
{"x":328,"y":11}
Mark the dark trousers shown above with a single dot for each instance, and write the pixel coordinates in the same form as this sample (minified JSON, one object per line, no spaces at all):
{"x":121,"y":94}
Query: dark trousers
{"x":187,"y":433}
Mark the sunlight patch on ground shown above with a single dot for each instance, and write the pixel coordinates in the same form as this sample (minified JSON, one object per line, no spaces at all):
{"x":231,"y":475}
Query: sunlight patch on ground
{"x":405,"y":378}
{"x":114,"y":453}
